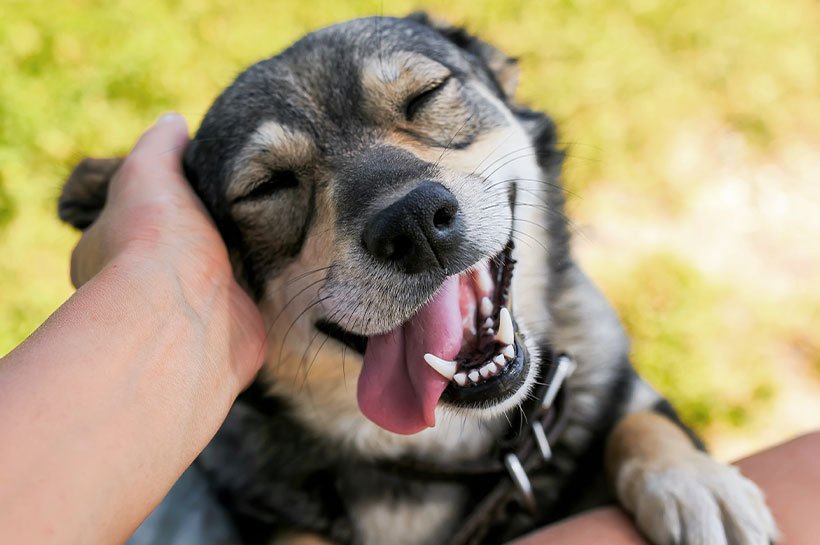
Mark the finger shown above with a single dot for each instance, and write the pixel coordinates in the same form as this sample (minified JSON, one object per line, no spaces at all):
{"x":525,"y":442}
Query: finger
{"x":165,"y":141}
{"x":155,"y":163}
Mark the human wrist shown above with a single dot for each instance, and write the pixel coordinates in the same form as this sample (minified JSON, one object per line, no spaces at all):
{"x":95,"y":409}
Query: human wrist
{"x":154,"y":383}
{"x":192,"y":303}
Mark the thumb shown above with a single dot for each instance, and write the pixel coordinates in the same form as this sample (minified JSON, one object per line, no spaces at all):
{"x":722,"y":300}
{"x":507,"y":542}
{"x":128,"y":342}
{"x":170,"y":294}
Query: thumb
{"x":155,"y":162}
{"x":165,"y":140}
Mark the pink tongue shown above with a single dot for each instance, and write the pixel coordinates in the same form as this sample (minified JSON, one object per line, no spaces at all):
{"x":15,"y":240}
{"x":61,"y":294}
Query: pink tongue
{"x":397,"y":389}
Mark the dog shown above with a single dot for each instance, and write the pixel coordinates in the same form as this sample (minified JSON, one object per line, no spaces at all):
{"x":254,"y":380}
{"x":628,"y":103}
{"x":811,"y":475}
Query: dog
{"x":439,"y":368}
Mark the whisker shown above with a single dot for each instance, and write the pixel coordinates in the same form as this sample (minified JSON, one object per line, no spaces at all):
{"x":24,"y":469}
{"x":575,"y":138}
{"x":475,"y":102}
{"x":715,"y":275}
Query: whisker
{"x":514,"y":230}
{"x":292,"y":299}
{"x":492,"y":151}
{"x":450,"y":143}
{"x":502,"y":165}
{"x":500,"y":158}
{"x":293,"y":323}
{"x":303,"y":360}
{"x":535,"y":180}
{"x":309,"y":273}
{"x":316,"y":355}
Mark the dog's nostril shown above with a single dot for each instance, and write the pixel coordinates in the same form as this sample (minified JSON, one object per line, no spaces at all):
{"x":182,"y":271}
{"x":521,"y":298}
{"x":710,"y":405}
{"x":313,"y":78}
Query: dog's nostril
{"x":399,"y":247}
{"x":444,"y":217}
{"x":419,"y":232}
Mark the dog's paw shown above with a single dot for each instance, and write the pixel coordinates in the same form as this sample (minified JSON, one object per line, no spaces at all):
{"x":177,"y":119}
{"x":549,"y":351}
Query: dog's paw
{"x":696,"y":501}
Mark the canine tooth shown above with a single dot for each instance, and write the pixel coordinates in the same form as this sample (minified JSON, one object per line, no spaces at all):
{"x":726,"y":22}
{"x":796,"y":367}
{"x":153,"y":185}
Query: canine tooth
{"x":486,"y":306}
{"x":500,"y":360}
{"x":509,"y":352}
{"x":460,"y":378}
{"x":483,"y":279}
{"x":488,"y":370}
{"x":505,"y":327}
{"x":445,"y":368}
{"x":474,"y":375}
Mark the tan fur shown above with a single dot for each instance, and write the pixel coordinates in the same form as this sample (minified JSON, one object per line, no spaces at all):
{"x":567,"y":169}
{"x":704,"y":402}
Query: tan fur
{"x":388,"y":81}
{"x":255,"y":163}
{"x":648,"y":437}
{"x":679,"y":494}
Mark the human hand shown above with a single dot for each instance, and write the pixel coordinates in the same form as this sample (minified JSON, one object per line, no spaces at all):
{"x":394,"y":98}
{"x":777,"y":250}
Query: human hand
{"x":153,"y":222}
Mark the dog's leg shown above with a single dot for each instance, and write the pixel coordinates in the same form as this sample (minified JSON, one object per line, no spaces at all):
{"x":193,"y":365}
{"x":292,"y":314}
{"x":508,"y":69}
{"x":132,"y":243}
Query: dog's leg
{"x":678,"y":493}
{"x":83,"y":195}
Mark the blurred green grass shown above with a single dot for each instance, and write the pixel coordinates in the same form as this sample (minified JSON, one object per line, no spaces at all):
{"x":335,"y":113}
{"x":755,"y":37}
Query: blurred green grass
{"x":85,"y":78}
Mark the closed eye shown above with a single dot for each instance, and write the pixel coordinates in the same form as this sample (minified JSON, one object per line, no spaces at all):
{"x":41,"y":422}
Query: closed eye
{"x":277,"y":181}
{"x":418,"y":101}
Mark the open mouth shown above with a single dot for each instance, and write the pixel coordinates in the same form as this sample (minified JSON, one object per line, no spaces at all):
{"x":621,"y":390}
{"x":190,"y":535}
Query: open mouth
{"x":491,"y":363}
{"x":462,"y":348}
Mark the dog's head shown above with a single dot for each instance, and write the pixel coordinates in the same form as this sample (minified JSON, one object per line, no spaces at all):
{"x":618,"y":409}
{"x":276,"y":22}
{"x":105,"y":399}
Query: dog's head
{"x":380,"y":196}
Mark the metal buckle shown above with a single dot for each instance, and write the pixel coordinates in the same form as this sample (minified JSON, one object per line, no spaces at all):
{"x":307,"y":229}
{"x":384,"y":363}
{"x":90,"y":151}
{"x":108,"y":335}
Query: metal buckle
{"x":564,"y":370}
{"x":521,"y":480}
{"x":541,"y":440}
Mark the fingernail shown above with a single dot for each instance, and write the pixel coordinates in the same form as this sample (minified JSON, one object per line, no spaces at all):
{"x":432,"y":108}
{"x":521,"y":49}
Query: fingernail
{"x":165,"y":118}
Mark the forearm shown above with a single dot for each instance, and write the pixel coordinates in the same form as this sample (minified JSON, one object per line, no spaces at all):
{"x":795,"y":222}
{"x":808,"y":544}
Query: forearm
{"x":107,"y":403}
{"x":788,"y":474}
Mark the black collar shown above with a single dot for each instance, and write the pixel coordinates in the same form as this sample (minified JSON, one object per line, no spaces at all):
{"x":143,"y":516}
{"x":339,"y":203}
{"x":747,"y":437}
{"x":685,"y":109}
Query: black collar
{"x":524,"y":450}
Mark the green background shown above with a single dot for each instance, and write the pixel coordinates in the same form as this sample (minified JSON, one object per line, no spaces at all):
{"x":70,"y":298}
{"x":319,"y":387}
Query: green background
{"x":692,"y":131}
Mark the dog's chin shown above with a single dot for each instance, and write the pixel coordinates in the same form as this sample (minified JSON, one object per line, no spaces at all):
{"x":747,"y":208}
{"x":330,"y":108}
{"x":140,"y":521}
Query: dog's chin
{"x":495,"y":368}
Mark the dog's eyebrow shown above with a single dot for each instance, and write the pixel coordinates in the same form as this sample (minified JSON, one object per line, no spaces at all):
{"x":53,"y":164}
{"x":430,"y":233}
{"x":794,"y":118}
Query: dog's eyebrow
{"x":283,"y":140}
{"x":391,"y":79}
{"x":271,"y":146}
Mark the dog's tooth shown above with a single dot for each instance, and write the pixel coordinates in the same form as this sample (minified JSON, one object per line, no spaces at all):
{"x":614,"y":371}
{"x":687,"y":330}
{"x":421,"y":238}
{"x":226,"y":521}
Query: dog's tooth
{"x":445,"y":368}
{"x":509,"y":352}
{"x":488,"y":323}
{"x":499,"y":359}
{"x":483,"y":279}
{"x":491,"y":331}
{"x":460,"y":378}
{"x":474,"y":375}
{"x":486,"y":307}
{"x":488,"y":370}
{"x":505,"y":327}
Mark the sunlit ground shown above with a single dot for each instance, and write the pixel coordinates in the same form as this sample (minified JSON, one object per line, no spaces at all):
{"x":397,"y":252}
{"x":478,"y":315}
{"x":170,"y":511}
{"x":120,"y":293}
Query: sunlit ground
{"x":693,"y":138}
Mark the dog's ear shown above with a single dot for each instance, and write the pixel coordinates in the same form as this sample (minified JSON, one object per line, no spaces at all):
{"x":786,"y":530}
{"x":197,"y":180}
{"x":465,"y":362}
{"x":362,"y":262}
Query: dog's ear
{"x":83,"y":195}
{"x":502,"y":70}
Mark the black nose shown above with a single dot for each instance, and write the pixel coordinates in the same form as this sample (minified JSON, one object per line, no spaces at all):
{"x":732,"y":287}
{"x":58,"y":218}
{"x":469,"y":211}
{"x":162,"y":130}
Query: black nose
{"x":419,"y":232}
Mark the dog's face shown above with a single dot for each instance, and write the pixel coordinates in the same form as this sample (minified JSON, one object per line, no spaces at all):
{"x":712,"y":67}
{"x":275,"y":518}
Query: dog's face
{"x":371,"y":182}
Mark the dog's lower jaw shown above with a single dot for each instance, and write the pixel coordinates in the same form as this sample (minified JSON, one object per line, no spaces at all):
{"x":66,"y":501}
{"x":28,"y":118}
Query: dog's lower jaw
{"x":490,"y":412}
{"x":329,"y":408}
{"x":338,"y":419}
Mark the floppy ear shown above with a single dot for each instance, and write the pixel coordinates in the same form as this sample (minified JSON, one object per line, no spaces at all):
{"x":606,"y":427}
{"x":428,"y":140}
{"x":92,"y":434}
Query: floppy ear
{"x":83,"y":195}
{"x":502,"y":70}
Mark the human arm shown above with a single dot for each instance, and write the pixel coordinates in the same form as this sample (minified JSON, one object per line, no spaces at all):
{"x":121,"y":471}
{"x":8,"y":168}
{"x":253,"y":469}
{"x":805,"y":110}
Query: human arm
{"x":789,"y":475}
{"x":105,"y":405}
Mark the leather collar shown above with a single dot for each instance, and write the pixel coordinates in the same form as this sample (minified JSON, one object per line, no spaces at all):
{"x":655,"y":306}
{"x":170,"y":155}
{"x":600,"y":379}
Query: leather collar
{"x":524,"y":450}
